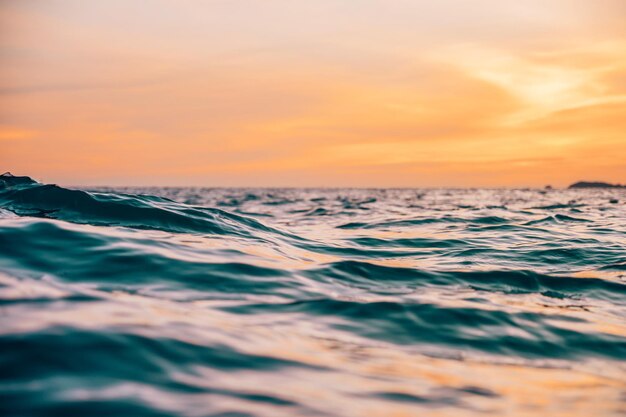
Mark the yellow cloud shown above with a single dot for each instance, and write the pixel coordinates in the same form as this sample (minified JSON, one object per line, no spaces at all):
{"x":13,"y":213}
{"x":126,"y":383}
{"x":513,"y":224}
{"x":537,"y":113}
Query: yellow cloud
{"x":10,"y":133}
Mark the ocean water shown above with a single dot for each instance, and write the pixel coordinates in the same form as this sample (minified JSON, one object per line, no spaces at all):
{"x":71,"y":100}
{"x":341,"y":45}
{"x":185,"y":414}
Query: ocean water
{"x":311,"y":302}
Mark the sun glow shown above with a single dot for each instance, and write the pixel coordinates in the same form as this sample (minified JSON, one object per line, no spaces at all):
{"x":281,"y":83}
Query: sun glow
{"x":414,"y":94}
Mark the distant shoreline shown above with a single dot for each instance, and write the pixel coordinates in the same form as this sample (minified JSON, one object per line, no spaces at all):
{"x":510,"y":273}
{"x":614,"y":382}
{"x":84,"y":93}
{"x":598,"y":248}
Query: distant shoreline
{"x":595,"y":184}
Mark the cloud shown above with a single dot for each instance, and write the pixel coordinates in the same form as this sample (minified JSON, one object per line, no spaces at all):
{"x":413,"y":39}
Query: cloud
{"x":545,"y":83}
{"x":12,"y":133}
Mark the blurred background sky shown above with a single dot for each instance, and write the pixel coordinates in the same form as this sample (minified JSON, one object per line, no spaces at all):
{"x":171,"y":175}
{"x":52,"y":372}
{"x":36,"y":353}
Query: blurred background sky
{"x":406,"y":93}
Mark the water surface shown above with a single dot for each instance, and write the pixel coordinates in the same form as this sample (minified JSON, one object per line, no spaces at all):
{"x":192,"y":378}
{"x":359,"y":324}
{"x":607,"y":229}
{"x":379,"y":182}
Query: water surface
{"x":305,"y":302}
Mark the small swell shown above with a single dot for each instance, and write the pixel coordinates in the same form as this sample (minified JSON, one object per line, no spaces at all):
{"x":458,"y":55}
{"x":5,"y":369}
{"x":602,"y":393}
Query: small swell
{"x":471,"y":329}
{"x":135,"y":211}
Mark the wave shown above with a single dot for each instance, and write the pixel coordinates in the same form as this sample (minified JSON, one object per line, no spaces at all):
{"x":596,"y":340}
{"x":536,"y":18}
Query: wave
{"x":471,"y":329}
{"x":26,"y":197}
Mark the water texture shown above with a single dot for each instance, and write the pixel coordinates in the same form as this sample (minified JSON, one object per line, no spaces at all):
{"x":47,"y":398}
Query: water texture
{"x":311,"y":302}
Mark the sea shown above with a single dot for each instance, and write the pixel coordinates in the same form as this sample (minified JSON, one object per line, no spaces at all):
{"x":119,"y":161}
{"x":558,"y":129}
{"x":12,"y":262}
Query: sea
{"x":238,"y":302}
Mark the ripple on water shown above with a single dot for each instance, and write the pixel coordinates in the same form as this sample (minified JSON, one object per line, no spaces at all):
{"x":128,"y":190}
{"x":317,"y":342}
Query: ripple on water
{"x":284,"y":302}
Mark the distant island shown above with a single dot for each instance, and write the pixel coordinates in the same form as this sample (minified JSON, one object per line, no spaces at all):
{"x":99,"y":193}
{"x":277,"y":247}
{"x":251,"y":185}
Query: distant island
{"x":595,"y":184}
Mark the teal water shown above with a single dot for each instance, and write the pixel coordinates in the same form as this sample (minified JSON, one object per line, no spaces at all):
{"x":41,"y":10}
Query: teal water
{"x":305,"y":302}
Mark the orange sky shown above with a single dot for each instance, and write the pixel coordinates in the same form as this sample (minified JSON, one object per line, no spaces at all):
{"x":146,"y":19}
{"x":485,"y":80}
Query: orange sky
{"x":314,"y":93}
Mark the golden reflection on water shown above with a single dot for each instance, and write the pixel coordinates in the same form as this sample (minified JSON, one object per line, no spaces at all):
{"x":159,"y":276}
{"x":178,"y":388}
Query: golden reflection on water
{"x":350,"y":375}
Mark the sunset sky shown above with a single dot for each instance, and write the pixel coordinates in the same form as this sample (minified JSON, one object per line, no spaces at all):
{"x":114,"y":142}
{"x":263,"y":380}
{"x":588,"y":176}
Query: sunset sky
{"x":405,"y":93}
